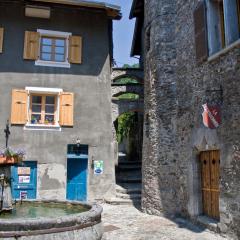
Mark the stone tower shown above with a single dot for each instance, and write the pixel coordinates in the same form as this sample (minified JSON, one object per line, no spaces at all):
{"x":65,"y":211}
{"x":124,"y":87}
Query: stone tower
{"x":160,"y":175}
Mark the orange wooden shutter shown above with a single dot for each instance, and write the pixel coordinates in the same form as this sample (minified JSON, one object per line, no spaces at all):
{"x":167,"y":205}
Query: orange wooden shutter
{"x":1,"y":39}
{"x":31,"y":45}
{"x":19,"y":107}
{"x":66,"y":109}
{"x":75,"y":49}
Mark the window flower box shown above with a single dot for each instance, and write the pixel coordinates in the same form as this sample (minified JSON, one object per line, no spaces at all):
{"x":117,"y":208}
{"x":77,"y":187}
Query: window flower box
{"x":9,"y":156}
{"x":8,"y":160}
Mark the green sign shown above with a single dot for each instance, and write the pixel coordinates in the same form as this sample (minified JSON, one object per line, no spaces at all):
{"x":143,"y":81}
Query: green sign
{"x":98,"y":167}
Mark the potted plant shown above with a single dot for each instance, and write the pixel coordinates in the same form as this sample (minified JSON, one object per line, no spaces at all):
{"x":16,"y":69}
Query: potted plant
{"x":10,"y":156}
{"x":33,"y":120}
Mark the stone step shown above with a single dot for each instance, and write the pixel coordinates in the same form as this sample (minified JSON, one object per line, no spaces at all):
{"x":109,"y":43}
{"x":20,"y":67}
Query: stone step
{"x":131,"y":173}
{"x":135,"y":188}
{"x":129,"y":179}
{"x":129,"y":163}
{"x":122,"y":157}
{"x":130,"y":185}
{"x":121,"y":201}
{"x":134,"y":196}
{"x":129,"y":167}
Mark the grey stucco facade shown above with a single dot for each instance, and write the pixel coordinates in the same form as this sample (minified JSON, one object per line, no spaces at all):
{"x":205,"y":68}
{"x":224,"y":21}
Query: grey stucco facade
{"x":90,"y":82}
{"x":176,"y":87}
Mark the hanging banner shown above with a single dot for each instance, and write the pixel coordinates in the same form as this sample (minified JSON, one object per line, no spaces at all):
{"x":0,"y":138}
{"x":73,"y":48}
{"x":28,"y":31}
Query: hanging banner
{"x":98,"y":167}
{"x":211,"y":116}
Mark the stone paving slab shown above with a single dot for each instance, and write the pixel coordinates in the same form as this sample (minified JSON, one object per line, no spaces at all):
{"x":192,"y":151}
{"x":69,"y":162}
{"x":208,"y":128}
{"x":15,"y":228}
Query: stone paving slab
{"x":128,"y":223}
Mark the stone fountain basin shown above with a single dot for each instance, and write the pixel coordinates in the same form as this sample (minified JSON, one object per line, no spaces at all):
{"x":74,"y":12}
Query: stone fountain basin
{"x":81,"y":226}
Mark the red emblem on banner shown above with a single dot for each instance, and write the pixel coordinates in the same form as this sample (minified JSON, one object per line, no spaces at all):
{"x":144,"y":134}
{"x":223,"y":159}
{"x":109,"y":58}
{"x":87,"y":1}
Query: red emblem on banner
{"x":211,"y":116}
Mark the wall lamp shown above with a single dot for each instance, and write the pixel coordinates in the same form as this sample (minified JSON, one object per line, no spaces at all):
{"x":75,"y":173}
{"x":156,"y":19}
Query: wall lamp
{"x":78,"y":142}
{"x":37,"y":11}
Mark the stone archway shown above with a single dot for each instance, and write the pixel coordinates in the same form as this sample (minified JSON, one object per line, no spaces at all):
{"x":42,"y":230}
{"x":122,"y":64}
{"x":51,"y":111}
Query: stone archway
{"x":135,"y":73}
{"x":128,"y":171}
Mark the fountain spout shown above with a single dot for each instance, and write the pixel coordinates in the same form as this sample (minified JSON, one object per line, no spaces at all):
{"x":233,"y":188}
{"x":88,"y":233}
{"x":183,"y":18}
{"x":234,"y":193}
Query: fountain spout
{"x":2,"y":179}
{"x":5,"y":191}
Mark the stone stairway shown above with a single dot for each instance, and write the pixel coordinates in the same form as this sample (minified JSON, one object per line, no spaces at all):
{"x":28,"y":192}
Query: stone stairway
{"x":128,"y":183}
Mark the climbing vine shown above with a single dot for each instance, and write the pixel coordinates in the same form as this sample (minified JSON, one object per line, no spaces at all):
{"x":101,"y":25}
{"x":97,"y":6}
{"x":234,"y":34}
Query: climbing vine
{"x":125,"y":124}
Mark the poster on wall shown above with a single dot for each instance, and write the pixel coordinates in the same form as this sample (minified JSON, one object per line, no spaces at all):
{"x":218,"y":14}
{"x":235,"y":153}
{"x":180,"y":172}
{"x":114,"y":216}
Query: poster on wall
{"x":24,"y":179}
{"x":24,"y":170}
{"x":98,"y":167}
{"x":23,"y":194}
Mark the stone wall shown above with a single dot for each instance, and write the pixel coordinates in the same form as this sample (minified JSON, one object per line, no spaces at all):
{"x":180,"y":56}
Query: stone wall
{"x":174,"y":135}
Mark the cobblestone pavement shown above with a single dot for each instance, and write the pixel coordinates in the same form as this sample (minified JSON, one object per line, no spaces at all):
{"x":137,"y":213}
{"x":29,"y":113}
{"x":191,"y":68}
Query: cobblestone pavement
{"x":127,"y":223}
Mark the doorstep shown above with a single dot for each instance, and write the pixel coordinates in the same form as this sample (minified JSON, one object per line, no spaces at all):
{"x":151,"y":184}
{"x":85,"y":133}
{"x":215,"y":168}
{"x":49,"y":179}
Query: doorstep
{"x":208,"y":223}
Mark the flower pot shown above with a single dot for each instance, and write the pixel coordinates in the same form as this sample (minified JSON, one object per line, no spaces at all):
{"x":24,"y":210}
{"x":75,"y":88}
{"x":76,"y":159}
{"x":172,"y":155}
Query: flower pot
{"x":8,"y":160}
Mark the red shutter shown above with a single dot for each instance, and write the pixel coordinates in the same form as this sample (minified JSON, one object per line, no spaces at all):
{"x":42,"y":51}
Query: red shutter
{"x":200,"y":24}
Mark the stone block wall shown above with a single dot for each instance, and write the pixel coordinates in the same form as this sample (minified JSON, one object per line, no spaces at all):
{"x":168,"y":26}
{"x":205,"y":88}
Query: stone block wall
{"x":174,"y":134}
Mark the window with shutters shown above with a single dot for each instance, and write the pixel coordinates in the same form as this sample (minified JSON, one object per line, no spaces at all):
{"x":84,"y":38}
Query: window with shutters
{"x":42,"y":108}
{"x":222,"y":24}
{"x":217,"y":27}
{"x":52,"y":48}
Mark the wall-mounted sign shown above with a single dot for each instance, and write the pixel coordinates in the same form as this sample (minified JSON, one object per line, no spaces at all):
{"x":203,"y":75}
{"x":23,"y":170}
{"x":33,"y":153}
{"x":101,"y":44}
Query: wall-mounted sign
{"x":211,"y":116}
{"x":98,"y":167}
{"x":23,"y":194}
{"x":24,"y":170}
{"x":24,"y":179}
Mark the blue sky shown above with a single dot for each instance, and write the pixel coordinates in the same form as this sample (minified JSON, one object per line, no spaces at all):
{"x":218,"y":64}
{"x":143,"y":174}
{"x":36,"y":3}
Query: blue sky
{"x":123,"y":33}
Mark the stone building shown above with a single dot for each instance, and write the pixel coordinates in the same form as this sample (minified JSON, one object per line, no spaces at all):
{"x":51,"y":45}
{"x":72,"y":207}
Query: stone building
{"x":55,"y":75}
{"x":191,"y":60}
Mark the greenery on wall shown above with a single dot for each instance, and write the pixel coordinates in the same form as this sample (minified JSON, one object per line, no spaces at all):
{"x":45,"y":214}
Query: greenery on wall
{"x":129,"y":96}
{"x":125,"y":124}
{"x":126,"y":80}
{"x":136,"y":65}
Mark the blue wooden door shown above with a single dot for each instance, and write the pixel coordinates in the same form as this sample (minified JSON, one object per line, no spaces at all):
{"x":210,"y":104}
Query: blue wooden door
{"x":24,"y":180}
{"x":77,"y":178}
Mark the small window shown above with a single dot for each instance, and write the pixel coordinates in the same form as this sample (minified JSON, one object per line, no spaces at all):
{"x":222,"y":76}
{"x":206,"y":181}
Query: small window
{"x":43,"y":109}
{"x":53,"y":49}
{"x":223,"y":22}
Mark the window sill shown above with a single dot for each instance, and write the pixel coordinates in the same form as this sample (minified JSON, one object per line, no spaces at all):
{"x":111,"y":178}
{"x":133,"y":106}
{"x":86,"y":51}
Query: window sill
{"x":52,"y":64}
{"x":29,"y":126}
{"x":224,"y":51}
